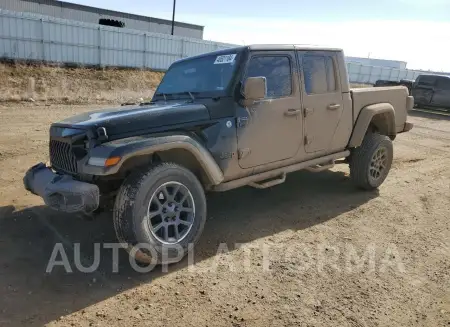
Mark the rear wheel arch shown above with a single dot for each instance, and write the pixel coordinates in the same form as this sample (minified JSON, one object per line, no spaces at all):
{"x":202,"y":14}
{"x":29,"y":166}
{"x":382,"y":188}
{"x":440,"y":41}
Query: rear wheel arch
{"x":384,"y":123}
{"x":379,"y":118}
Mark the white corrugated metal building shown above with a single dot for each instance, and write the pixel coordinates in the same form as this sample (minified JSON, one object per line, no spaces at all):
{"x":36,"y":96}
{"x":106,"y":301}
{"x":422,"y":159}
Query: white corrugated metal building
{"x":396,"y":64}
{"x":87,"y":14}
{"x":33,"y":37}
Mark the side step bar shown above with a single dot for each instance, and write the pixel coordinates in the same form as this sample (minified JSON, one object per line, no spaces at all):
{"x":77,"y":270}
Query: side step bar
{"x":279,"y":172}
{"x":322,"y":167}
{"x":270,"y":183}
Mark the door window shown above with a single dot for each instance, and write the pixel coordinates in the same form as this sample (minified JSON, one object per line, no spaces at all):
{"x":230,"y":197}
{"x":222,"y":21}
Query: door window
{"x":426,"y":80}
{"x":443,"y":83}
{"x":276,"y":70}
{"x":319,"y":74}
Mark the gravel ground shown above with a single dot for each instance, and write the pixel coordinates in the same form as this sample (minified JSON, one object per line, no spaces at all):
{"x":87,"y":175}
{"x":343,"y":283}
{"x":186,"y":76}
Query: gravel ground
{"x":313,"y":251}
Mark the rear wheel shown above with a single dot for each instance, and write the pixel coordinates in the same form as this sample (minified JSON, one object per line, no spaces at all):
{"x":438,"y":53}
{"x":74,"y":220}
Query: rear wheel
{"x":160,"y":212}
{"x":370,"y":163}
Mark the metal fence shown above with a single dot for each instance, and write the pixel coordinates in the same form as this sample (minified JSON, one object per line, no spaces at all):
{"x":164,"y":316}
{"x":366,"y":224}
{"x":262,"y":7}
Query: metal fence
{"x":25,"y":36}
{"x":358,"y":73}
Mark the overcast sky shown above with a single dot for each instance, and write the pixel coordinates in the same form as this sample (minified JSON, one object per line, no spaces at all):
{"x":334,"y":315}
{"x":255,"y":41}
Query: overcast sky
{"x":415,"y":31}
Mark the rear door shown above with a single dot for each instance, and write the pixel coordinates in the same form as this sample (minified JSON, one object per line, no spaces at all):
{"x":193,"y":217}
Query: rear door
{"x":322,"y":98}
{"x":271,"y":128}
{"x":441,"y":96}
{"x":424,"y":89}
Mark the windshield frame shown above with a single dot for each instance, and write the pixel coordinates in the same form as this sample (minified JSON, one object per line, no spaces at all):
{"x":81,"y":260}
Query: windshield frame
{"x":228,"y":91}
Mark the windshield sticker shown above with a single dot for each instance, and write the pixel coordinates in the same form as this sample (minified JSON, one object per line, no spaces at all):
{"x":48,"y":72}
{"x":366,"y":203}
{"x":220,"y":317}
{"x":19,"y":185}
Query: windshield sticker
{"x":225,"y":59}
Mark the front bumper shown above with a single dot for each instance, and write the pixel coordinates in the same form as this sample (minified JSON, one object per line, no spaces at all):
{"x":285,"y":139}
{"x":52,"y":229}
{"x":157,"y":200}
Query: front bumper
{"x":61,"y":192}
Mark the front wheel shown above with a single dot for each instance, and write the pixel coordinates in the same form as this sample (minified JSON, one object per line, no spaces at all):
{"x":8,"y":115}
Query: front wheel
{"x":160,"y":213}
{"x":370,"y":163}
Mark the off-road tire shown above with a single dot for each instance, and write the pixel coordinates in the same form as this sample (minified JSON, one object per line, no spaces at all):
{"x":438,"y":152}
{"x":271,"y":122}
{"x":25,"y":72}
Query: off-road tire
{"x":130,"y":213}
{"x":362,"y":157}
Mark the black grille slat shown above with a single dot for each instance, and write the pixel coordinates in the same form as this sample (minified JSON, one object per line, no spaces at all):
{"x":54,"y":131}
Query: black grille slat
{"x":58,"y":154}
{"x":62,"y":157}
{"x":74,"y":162}
{"x":70,"y":157}
{"x":65,"y":157}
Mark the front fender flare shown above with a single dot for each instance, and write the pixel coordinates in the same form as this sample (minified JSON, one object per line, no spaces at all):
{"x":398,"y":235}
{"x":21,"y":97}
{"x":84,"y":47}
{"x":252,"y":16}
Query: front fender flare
{"x":386,"y":113}
{"x":147,"y":145}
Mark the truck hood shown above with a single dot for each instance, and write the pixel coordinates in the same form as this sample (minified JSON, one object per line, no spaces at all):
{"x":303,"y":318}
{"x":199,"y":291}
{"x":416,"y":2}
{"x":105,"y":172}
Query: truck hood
{"x":126,"y":119}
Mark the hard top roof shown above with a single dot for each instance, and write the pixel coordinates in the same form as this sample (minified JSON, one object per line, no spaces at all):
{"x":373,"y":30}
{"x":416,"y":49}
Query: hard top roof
{"x":264,"y":47}
{"x":433,"y":75}
{"x":290,"y":47}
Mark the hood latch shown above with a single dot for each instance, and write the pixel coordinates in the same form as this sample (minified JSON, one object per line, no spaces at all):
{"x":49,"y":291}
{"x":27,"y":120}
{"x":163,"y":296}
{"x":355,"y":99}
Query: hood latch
{"x":101,"y":133}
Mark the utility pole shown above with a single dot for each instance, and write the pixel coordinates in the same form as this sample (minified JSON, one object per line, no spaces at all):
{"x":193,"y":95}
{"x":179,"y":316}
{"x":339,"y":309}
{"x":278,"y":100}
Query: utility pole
{"x":173,"y":15}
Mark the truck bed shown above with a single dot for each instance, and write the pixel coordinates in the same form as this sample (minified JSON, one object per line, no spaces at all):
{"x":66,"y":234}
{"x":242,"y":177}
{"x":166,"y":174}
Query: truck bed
{"x":397,"y":96}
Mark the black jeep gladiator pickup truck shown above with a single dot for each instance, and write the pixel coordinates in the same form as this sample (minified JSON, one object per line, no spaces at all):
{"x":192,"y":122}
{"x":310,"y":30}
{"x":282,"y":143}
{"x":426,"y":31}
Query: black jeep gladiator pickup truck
{"x":239,"y":117}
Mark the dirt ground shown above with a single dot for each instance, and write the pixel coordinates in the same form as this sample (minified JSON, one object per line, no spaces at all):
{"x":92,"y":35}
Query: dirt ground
{"x":62,"y":85}
{"x":301,"y":264}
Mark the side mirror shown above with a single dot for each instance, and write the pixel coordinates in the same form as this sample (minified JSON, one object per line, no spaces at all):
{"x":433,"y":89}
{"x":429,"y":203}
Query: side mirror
{"x":255,"y":88}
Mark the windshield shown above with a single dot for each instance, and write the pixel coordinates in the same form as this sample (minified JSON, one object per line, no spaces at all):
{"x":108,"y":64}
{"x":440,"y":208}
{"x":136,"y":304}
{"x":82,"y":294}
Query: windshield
{"x":205,"y":74}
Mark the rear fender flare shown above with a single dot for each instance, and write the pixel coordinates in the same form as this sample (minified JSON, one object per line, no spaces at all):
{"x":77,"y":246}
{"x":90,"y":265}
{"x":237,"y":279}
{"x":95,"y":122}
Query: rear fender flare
{"x":381,"y":115}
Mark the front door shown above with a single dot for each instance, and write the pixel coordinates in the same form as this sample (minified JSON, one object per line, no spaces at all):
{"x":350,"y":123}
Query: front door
{"x":441,"y":96}
{"x":270,"y":129}
{"x":423,"y":90}
{"x":322,"y":98}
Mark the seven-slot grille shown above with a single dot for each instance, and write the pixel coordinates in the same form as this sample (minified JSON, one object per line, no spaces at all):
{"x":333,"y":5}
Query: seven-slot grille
{"x":62,"y":157}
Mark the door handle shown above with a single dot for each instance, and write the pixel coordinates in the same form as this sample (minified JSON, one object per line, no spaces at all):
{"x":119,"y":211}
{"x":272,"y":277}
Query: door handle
{"x":333,"y":106}
{"x":292,"y":112}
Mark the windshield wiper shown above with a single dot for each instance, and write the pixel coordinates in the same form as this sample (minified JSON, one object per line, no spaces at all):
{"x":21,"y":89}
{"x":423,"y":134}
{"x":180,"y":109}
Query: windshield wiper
{"x":190,"y":93}
{"x":146,"y":103}
{"x":164,"y":95}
